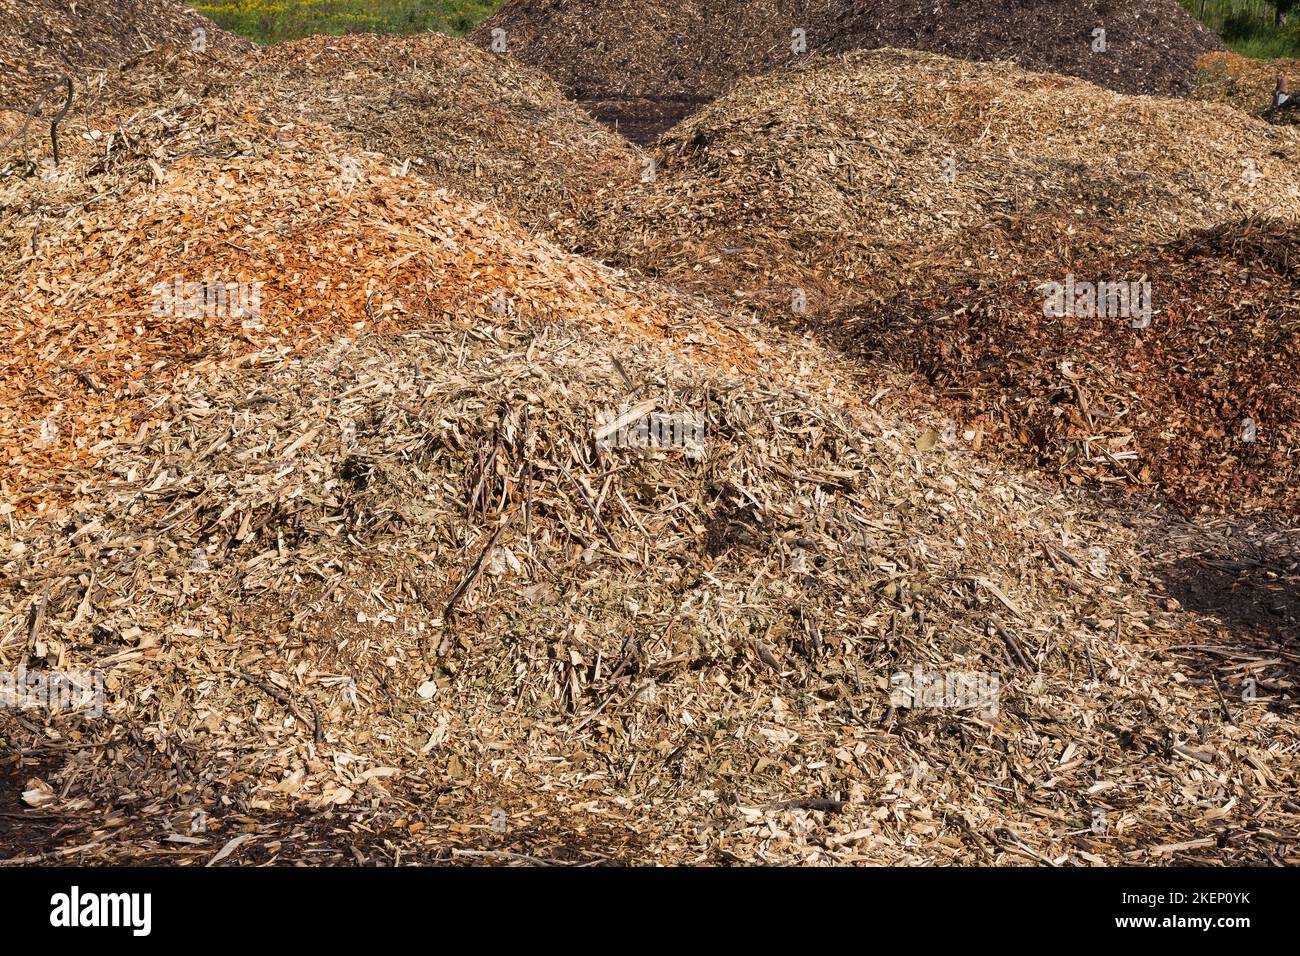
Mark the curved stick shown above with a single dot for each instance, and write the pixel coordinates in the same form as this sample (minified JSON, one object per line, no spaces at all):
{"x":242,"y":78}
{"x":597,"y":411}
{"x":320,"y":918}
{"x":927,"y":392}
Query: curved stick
{"x":65,"y":81}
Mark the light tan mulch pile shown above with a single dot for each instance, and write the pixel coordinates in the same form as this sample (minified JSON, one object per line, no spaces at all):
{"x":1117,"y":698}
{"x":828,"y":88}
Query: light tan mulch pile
{"x":480,"y":124}
{"x":863,"y":176}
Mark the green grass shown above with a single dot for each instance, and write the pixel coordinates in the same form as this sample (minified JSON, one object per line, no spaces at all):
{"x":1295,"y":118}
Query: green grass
{"x":1267,"y":48}
{"x":1247,"y":27}
{"x":273,"y":21}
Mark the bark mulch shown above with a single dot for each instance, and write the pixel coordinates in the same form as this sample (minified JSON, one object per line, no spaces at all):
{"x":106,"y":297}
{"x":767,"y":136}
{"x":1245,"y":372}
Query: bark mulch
{"x":1200,"y":405}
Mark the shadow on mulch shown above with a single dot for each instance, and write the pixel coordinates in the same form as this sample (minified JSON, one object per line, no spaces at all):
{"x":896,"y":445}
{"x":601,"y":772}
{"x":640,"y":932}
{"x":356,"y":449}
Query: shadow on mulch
{"x":642,"y":119}
{"x":24,"y":831}
{"x":1256,"y":601}
{"x":294,"y":838}
{"x":1247,"y":600}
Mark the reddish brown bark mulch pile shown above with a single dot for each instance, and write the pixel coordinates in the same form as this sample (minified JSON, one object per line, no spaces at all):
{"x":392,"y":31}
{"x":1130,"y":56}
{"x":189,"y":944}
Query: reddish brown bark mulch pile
{"x":1169,"y":406}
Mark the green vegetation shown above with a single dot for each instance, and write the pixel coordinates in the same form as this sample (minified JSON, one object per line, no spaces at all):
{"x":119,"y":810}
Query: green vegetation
{"x":272,"y":21}
{"x":1250,"y":27}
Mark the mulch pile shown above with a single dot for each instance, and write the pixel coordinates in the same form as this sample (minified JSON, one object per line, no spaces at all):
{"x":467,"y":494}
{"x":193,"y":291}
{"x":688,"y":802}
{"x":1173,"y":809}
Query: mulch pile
{"x":641,"y":67}
{"x":46,"y":39}
{"x":859,"y":177}
{"x":483,"y":125}
{"x":645,"y":65}
{"x":1151,"y":45}
{"x":1248,"y":84}
{"x":825,"y":188}
{"x":444,"y":111}
{"x":361,"y":580}
{"x":1092,"y":397}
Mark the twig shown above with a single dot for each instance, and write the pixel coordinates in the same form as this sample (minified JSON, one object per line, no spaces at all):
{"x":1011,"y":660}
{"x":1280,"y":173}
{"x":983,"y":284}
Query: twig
{"x":35,"y":111}
{"x":474,"y":571}
{"x":613,"y":543}
{"x":277,"y":694}
{"x":506,"y":855}
{"x":1227,"y":714}
{"x":58,"y":118}
{"x":37,"y":616}
{"x":1011,"y":643}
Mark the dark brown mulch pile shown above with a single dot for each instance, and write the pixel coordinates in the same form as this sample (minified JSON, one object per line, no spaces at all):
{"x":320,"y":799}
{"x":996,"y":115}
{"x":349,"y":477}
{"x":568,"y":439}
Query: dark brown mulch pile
{"x":1099,"y":400}
{"x":1151,"y":45}
{"x":667,"y":52}
{"x":41,"y":40}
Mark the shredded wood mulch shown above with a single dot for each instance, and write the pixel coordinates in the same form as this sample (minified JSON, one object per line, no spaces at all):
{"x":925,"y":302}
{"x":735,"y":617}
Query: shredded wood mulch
{"x":917,"y":228}
{"x":1200,"y":404}
{"x":48,"y":39}
{"x":1248,"y":84}
{"x":480,"y":124}
{"x":443,"y":110}
{"x":860,"y":177}
{"x":365,"y":588}
{"x":647,"y":65}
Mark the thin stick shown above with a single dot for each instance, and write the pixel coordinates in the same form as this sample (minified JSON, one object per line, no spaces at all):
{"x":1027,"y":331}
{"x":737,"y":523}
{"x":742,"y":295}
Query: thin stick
{"x":474,"y":571}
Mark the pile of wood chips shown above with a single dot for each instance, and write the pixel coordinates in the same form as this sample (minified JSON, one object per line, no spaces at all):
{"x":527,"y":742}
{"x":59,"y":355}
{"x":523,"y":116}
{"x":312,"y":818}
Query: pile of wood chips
{"x":443,"y":110}
{"x":1248,"y":84}
{"x":853,"y":177}
{"x":44,"y":40}
{"x":484,"y":126}
{"x":1201,"y":403}
{"x":910,"y":207}
{"x":365,"y":587}
{"x":646,"y":65}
